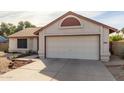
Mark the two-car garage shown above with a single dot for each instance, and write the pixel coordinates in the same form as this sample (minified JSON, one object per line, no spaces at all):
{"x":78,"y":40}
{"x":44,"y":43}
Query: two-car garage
{"x":73,"y":47}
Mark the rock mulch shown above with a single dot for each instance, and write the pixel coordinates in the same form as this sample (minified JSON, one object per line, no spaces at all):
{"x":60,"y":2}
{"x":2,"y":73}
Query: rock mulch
{"x":116,"y":67}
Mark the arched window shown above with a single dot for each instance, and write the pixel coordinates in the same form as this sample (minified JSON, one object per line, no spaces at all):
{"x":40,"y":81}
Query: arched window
{"x":70,"y":21}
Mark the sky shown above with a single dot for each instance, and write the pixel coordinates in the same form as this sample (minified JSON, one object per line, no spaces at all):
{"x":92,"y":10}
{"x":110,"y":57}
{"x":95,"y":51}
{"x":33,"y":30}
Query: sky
{"x":41,"y":18}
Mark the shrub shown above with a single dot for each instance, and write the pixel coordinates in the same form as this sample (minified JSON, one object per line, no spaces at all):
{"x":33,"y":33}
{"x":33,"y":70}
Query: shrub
{"x":14,"y":56}
{"x":28,"y":53}
{"x":115,"y":38}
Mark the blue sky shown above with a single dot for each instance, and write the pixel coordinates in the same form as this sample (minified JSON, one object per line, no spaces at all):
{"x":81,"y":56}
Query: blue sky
{"x":112,"y":18}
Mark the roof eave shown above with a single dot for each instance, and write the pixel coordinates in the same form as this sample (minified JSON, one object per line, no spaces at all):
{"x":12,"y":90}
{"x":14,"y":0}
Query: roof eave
{"x":113,"y":30}
{"x":22,"y":36}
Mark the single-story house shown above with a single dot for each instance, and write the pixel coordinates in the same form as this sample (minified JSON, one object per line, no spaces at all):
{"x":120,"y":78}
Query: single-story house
{"x":24,"y":40}
{"x":69,"y":36}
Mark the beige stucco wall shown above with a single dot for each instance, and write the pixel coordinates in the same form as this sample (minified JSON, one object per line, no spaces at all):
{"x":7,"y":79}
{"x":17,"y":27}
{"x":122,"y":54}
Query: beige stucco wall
{"x":31,"y":45}
{"x":86,"y":28}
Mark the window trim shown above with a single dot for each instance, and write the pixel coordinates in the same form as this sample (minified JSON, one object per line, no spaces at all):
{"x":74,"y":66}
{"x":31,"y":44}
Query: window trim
{"x":70,"y":21}
{"x":22,"y":47}
{"x":71,"y":27}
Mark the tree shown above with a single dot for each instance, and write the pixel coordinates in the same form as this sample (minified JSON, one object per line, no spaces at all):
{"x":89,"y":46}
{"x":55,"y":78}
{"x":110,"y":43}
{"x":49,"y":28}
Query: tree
{"x":4,"y":29}
{"x":22,"y":25}
{"x":28,"y":24}
{"x":9,"y":28}
{"x":1,"y":33}
{"x":122,"y":30}
{"x":12,"y":28}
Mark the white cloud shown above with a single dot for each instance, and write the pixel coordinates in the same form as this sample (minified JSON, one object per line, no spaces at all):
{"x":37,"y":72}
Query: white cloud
{"x":41,"y":18}
{"x":38,"y":18}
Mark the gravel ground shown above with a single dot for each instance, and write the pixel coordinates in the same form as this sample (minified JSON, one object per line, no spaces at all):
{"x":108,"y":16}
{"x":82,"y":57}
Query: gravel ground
{"x":117,"y":72}
{"x":116,"y":67}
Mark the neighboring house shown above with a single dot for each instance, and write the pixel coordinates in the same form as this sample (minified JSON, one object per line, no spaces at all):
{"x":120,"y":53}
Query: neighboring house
{"x":69,"y":36}
{"x":117,"y":33}
{"x":24,"y":40}
{"x":3,"y":39}
{"x":3,"y":43}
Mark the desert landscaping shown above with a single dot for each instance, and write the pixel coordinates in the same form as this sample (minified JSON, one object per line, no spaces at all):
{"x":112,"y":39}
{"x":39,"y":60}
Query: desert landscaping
{"x":116,"y":67}
{"x":8,"y":64}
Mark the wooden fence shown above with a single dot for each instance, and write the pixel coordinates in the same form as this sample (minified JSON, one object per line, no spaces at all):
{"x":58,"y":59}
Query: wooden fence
{"x":4,"y":46}
{"x":118,"y":47}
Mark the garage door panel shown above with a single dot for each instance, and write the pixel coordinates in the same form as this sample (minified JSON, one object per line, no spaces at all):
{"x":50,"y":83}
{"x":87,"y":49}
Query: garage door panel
{"x":76,"y":47}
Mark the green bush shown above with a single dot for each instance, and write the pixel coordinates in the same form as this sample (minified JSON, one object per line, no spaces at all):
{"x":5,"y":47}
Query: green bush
{"x":28,"y":53}
{"x":115,"y":38}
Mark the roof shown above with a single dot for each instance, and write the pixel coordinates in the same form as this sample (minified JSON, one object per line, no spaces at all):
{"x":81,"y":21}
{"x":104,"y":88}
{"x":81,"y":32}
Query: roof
{"x":2,"y":39}
{"x":112,"y":29}
{"x":28,"y":32}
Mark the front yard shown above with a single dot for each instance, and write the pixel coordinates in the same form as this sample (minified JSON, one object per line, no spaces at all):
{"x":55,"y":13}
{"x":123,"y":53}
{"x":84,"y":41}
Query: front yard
{"x":115,"y":66}
{"x":7,"y":64}
{"x":117,"y":72}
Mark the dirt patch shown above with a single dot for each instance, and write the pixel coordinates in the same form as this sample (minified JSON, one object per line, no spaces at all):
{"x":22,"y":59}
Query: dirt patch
{"x":8,"y":64}
{"x":16,"y":64}
{"x":117,"y":71}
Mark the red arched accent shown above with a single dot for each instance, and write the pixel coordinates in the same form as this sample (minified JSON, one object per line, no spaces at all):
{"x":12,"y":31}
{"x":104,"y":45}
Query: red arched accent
{"x":70,"y":21}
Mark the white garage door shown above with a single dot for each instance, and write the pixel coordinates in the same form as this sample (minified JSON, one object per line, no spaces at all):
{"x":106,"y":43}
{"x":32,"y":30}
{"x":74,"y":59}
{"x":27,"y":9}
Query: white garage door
{"x":75,"y":47}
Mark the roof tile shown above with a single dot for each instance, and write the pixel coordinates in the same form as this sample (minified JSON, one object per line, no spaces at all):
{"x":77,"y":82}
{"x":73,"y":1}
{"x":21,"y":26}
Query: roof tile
{"x":28,"y":32}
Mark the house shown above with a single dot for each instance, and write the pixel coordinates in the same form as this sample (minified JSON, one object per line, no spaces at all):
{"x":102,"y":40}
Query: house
{"x":69,"y":36}
{"x":24,"y":40}
{"x":3,"y":39}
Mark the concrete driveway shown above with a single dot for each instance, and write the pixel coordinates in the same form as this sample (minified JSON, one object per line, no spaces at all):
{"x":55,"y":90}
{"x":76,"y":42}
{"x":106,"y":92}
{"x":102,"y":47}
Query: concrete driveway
{"x":60,"y":70}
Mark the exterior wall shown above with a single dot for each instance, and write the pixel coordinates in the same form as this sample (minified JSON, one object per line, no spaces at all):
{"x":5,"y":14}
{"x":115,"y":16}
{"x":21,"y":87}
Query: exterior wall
{"x":86,"y":28}
{"x":35,"y":47}
{"x":31,"y":45}
{"x":105,"y":53}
